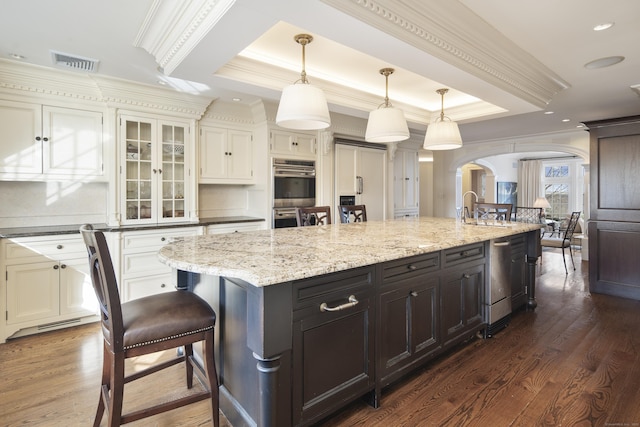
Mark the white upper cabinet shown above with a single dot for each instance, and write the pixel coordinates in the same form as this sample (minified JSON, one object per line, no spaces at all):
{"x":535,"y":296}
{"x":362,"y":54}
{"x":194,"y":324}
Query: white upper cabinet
{"x":226,"y":156}
{"x":41,"y":142}
{"x":292,"y":144}
{"x":156,"y":181}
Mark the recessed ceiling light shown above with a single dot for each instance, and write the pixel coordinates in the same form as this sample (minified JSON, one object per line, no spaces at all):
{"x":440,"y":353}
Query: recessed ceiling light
{"x":603,"y":62}
{"x":580,"y":125}
{"x":603,"y":26}
{"x":236,"y":99}
{"x":566,"y":120}
{"x":548,"y":112}
{"x":16,"y":56}
{"x":162,"y":82}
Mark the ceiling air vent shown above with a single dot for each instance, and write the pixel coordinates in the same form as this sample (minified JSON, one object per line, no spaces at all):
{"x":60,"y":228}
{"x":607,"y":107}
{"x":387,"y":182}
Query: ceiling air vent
{"x":74,"y":62}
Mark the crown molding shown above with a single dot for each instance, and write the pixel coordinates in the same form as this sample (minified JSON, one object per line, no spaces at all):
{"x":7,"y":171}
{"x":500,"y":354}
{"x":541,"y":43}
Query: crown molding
{"x":172,"y":29}
{"x":40,"y":81}
{"x":125,"y":94}
{"x":453,"y":33}
{"x":37,"y":81}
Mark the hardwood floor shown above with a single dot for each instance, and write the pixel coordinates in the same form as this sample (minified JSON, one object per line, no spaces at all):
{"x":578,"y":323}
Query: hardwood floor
{"x":575,"y":360}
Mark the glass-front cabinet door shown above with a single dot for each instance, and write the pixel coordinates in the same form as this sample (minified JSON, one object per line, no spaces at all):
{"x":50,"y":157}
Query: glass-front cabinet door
{"x":173,"y":171}
{"x":155,"y":172}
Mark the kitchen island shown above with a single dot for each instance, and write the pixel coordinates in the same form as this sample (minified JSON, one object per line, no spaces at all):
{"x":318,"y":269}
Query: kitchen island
{"x":312,"y":318}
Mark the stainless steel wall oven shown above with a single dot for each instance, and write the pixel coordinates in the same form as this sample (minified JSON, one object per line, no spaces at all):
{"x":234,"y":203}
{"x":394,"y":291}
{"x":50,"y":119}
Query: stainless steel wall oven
{"x":294,"y":185}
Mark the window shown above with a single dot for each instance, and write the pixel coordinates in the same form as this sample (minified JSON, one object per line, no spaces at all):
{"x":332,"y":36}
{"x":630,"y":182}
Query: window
{"x":562,"y":187}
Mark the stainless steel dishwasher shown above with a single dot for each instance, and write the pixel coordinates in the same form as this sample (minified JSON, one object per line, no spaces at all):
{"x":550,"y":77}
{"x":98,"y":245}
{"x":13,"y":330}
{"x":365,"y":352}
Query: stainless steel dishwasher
{"x":498,"y":290}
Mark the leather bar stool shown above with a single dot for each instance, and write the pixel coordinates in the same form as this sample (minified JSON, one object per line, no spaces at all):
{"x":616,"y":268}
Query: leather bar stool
{"x":146,"y":325}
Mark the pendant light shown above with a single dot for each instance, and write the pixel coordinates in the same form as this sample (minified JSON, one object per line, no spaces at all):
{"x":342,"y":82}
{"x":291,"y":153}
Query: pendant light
{"x":443,"y":134}
{"x":386,"y":123}
{"x":302,"y":106}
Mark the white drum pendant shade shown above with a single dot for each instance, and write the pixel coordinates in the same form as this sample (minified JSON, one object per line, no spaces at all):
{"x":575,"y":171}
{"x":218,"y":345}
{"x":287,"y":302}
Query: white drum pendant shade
{"x":303,"y":107}
{"x":386,"y":125}
{"x":442,"y":135}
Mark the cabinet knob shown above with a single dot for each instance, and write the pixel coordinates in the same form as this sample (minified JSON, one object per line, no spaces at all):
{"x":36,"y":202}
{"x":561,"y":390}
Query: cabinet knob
{"x":38,"y":138}
{"x":59,"y":247}
{"x":412,"y":267}
{"x":155,"y":170}
{"x":55,"y":267}
{"x":163,"y":285}
{"x":63,"y":266}
{"x":159,"y":170}
{"x":162,"y":239}
{"x":413,"y":293}
{"x":466,"y":276}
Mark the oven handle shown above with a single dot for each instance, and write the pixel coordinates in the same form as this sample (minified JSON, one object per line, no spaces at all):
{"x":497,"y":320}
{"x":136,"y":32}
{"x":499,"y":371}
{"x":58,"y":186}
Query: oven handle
{"x":285,"y":213}
{"x":294,"y":174}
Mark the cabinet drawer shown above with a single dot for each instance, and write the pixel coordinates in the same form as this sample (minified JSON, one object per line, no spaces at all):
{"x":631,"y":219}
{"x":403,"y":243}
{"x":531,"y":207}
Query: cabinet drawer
{"x":463,"y":254}
{"x":154,"y":239}
{"x":147,"y":285}
{"x":234,"y":227}
{"x":26,"y":250}
{"x":332,"y":288}
{"x":140,"y":262}
{"x":396,"y":270}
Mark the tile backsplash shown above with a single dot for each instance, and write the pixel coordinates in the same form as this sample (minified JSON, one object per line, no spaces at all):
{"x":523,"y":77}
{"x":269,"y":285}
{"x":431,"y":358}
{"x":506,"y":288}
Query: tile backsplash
{"x":25,"y":204}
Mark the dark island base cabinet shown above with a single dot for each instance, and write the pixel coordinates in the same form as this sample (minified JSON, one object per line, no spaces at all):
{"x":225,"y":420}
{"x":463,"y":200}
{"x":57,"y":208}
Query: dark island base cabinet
{"x":462,"y":293}
{"x":518,"y":272}
{"x":408,"y":316}
{"x":333,"y":343}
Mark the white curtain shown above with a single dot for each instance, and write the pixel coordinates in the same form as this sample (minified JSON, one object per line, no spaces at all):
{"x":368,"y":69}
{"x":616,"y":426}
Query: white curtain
{"x":529,"y":182}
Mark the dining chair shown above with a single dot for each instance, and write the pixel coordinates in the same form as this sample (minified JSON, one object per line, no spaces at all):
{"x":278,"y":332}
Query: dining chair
{"x":496,"y":211}
{"x":528,"y":215}
{"x":171,"y":320}
{"x":564,"y":240}
{"x":318,"y":215}
{"x":352,"y":213}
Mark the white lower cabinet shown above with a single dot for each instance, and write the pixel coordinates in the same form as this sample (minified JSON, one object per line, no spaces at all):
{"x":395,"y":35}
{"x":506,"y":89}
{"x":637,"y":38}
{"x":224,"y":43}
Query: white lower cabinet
{"x":142,"y":273}
{"x":46,"y":285}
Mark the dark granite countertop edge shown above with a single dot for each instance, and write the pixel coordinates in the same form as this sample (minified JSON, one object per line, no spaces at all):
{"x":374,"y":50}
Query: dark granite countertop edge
{"x":13,"y":232}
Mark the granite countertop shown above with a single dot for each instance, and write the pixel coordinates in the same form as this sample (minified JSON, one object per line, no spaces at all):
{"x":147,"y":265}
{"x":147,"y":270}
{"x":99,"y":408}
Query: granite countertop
{"x":274,"y":256}
{"x":14,"y":232}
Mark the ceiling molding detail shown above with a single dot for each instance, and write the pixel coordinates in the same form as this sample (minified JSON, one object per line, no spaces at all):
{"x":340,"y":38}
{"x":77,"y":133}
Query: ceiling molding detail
{"x":125,"y":94}
{"x":172,"y":29}
{"x":44,"y":81}
{"x":246,"y":69}
{"x":453,"y":33}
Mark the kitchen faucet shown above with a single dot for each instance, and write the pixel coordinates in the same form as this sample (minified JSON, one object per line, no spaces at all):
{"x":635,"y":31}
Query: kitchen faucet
{"x":475,"y":211}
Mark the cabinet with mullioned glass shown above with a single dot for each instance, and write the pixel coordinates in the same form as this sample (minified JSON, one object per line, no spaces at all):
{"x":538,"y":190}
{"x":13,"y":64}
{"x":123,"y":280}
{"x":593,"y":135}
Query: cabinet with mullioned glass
{"x":155,"y":173}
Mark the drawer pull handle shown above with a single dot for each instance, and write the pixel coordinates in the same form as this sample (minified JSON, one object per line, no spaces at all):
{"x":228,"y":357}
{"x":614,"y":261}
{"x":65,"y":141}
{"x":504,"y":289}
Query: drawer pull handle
{"x":352,"y":302}
{"x":412,"y":267}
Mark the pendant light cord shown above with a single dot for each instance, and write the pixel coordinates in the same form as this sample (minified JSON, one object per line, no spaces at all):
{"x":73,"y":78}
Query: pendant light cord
{"x":303,"y":39}
{"x":442,"y":92}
